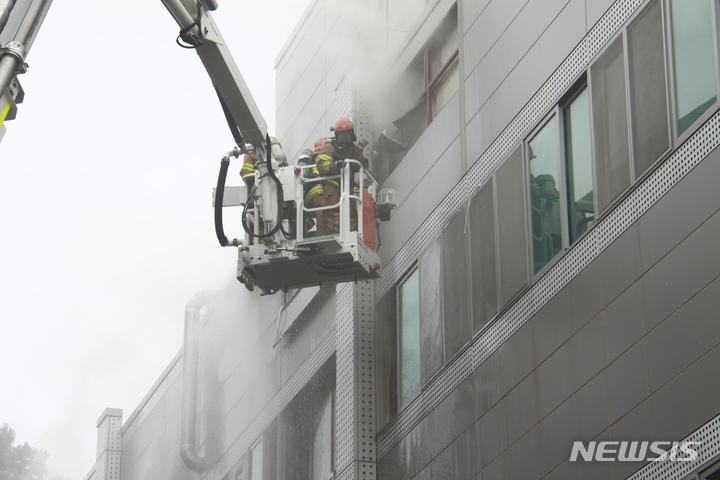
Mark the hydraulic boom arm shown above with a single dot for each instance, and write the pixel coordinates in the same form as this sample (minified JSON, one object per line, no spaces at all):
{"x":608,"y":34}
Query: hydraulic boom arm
{"x":199,"y":31}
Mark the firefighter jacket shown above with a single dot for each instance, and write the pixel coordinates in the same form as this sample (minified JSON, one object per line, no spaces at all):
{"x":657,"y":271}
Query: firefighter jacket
{"x":249,"y":167}
{"x":314,"y":189}
{"x":329,"y":157}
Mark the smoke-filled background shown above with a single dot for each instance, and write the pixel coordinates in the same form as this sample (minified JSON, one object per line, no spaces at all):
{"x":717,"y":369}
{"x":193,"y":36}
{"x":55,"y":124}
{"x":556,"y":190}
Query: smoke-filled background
{"x":105,"y":208}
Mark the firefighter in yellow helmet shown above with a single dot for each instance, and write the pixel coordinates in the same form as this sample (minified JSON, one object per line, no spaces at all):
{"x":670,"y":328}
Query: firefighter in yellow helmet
{"x":329,"y":160}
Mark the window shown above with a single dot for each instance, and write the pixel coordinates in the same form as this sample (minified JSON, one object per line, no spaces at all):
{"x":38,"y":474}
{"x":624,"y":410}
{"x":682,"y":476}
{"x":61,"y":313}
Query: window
{"x":511,"y":227}
{"x":306,"y":429}
{"x":420,"y":93}
{"x":650,"y":121}
{"x":482,"y":256}
{"x":561,"y":179}
{"x":456,"y":313}
{"x":693,"y":49}
{"x":435,"y":79}
{"x":256,"y":461}
{"x":610,"y":124}
{"x":240,"y":472}
{"x":409,"y":337}
{"x":430,"y":267}
{"x":322,"y":447}
{"x":544,"y":155}
{"x":578,"y":159}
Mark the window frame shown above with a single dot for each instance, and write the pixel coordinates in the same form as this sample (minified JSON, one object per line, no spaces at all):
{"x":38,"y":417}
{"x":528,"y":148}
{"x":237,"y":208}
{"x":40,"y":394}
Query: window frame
{"x":578,"y":88}
{"x":402,"y":404}
{"x":554,"y":114}
{"x":431,"y":84}
{"x":670,"y":73}
{"x":636,"y":176}
{"x":558,"y":112}
{"x":260,"y":442}
{"x":711,"y":469}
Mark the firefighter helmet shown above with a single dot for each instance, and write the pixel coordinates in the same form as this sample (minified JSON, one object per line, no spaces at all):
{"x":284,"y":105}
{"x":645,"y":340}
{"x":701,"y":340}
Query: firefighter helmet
{"x":320,"y":142}
{"x":342,"y":125}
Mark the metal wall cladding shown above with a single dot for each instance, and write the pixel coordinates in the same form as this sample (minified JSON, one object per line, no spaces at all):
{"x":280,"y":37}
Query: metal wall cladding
{"x":150,"y":436}
{"x":244,"y":383}
{"x":516,"y":65}
{"x":619,"y":370}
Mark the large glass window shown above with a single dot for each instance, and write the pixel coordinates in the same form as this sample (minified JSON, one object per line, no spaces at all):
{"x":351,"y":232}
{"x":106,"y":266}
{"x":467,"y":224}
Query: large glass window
{"x":694,"y":59}
{"x":512,"y":229}
{"x":431,"y":311}
{"x":483,"y":259}
{"x":544,"y":156}
{"x":648,"y":88}
{"x":562,"y":199}
{"x":322,"y":448}
{"x":610,"y":124}
{"x":578,"y":160}
{"x":409,"y":338}
{"x":256,"y":461}
{"x":455,"y":285}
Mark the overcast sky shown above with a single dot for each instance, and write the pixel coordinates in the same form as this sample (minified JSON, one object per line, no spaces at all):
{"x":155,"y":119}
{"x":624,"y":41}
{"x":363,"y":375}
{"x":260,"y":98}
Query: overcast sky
{"x":105,"y":208}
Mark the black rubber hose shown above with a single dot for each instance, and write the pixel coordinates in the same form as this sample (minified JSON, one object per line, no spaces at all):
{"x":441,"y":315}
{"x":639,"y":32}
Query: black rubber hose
{"x":272,"y":175}
{"x":219,"y":194}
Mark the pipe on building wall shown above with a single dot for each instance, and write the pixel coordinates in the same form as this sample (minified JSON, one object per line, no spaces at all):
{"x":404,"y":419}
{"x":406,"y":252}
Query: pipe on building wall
{"x":188,"y":416}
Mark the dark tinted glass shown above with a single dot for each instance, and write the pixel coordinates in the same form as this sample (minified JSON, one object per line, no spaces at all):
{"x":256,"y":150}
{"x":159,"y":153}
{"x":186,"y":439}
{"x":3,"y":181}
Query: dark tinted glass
{"x":578,"y":158}
{"x":648,"y":88}
{"x":609,"y":106}
{"x":545,"y":191}
{"x":483,"y":257}
{"x":455,"y":285}
{"x":511,"y":227}
{"x":431,"y":311}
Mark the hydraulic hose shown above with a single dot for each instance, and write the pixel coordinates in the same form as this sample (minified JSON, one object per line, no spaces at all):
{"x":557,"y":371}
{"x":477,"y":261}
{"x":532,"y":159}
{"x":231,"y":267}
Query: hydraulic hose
{"x":219,"y":194}
{"x":272,"y":175}
{"x":271,"y":172}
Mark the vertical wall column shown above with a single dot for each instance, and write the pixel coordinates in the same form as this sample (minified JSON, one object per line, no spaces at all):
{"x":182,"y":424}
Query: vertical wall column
{"x":109,"y":445}
{"x":351,"y":103}
{"x":355,"y":449}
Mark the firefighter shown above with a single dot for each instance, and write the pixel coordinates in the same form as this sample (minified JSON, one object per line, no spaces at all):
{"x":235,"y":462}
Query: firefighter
{"x":314,"y":191}
{"x":250,"y":161}
{"x":330,"y":160}
{"x":250,"y":167}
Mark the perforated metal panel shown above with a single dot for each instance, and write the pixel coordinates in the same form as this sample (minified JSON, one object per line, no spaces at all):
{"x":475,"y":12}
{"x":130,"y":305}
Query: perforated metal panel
{"x":355,"y":448}
{"x":365,"y":375}
{"x":344,"y":99}
{"x":351,"y":103}
{"x":281,"y":399}
{"x":708,"y":437}
{"x":345,"y":384}
{"x":625,"y":214}
{"x":109,"y":446}
{"x":114,"y":448}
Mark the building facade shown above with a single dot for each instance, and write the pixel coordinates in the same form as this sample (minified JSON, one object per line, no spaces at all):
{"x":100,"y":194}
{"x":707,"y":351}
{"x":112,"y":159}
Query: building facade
{"x":549,"y":276}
